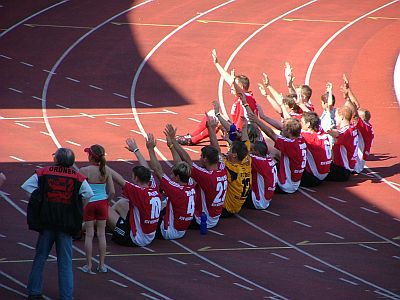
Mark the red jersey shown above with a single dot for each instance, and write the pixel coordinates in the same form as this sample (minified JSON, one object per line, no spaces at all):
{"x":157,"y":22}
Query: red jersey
{"x":180,"y":207}
{"x":319,"y":154}
{"x":144,"y":207}
{"x":210,"y":192}
{"x":263,"y":180}
{"x":292,"y":163}
{"x":237,"y":110}
{"x":346,"y":147}
{"x":365,"y":137}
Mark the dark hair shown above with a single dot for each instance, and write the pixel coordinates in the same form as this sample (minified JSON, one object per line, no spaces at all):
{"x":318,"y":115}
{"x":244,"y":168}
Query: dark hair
{"x":306,"y":91}
{"x":182,"y":170}
{"x":65,"y":157}
{"x":325,"y":97}
{"x":293,"y":127}
{"x":290,"y":101}
{"x":261,"y":148}
{"x":244,"y":81}
{"x":312,"y":118}
{"x":239,"y":148}
{"x":211,"y":153}
{"x":142,"y":173}
{"x":99,"y":157}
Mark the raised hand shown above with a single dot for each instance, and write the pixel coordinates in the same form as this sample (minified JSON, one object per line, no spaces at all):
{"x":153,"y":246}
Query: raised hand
{"x":216,"y":106}
{"x":266,"y":82}
{"x":346,"y":82}
{"x":170,"y":131}
{"x":214,"y":56}
{"x":211,"y":122}
{"x":150,"y":142}
{"x":262,"y":89}
{"x":288,"y":74}
{"x":131,"y":144}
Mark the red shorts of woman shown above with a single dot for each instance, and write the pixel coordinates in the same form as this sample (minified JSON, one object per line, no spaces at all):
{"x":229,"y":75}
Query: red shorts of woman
{"x":96,"y":210}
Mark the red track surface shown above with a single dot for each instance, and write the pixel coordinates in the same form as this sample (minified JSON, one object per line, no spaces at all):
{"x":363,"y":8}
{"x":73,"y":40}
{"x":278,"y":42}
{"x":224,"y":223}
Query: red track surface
{"x":339,"y":241}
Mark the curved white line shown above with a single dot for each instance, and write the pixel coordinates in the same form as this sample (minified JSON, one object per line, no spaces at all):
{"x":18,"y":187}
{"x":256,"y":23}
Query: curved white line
{"x":389,"y":293}
{"x":30,"y":17}
{"x":396,"y":79}
{"x":314,"y":60}
{"x":145,"y":60}
{"x":54,"y":68}
{"x":229,"y":61}
{"x":226,"y":270}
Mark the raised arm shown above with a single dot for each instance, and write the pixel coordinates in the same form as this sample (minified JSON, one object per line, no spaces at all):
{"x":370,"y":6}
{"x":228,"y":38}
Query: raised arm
{"x":175,"y":155}
{"x":225,"y":75}
{"x":116,"y":177}
{"x":289,"y":78}
{"x":350,"y":94}
{"x":211,"y":126}
{"x":299,"y":100}
{"x":132,"y":146}
{"x":263,"y":90}
{"x":267,"y":130}
{"x":171,"y":132}
{"x":225,"y":123}
{"x":270,"y":121}
{"x":154,"y":163}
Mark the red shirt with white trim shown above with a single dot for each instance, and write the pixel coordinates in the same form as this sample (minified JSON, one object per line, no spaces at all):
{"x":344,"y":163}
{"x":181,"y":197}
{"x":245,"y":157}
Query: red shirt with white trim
{"x":292,"y":163}
{"x":319,"y":153}
{"x":237,"y":110}
{"x":366,"y":136}
{"x":346,"y":147}
{"x":180,"y":203}
{"x":263,"y":180}
{"x":210,"y":192}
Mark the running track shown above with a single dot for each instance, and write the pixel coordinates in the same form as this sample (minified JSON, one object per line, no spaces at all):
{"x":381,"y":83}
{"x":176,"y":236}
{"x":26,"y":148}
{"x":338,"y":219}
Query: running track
{"x":74,"y":73}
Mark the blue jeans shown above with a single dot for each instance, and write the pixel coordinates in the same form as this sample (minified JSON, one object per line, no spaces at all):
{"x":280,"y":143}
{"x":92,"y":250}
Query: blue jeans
{"x":44,"y":244}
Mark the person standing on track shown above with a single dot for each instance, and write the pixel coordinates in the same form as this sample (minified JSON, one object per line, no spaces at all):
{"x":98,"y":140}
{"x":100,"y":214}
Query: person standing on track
{"x":134,"y":219}
{"x":96,"y":210}
{"x":180,"y":192}
{"x":59,"y":190}
{"x":211,"y":177}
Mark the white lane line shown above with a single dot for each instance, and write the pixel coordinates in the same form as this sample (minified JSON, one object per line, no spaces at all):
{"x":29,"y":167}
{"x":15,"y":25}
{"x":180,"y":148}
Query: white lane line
{"x":398,"y":220}
{"x":195,"y":120}
{"x":50,"y":72}
{"x":369,"y":210}
{"x":95,"y":87}
{"x":22,"y":125}
{"x":215,"y":232}
{"x":26,"y":64}
{"x":396,"y":257}
{"x":148,"y":249}
{"x":302,"y":224}
{"x":117,"y":283}
{"x":243,"y":286}
{"x":111,"y":123}
{"x":334,"y":235}
{"x":37,"y":98}
{"x":314,"y":269}
{"x":170,"y":112}
{"x":2,"y":235}
{"x":86,"y":115}
{"x":26,"y":245}
{"x":368,"y":247}
{"x":280,"y":256}
{"x":308,"y":190}
{"x":62,"y":106}
{"x":125,"y":161}
{"x":384,"y":295}
{"x":271,"y":213}
{"x":248,"y":244}
{"x":24,"y":201}
{"x":161,"y":140}
{"x":72,"y":79}
{"x":15,"y":90}
{"x":209,"y":273}
{"x":145,"y":103}
{"x":13,"y":290}
{"x":191,"y":150}
{"x":16,"y":158}
{"x":136,"y":131}
{"x":45,"y":133}
{"x":148,"y":296}
{"x":348,"y":281}
{"x":337,"y":199}
{"x":121,"y":96}
{"x":72,"y":143}
{"x":177,"y":260}
{"x":5,"y":56}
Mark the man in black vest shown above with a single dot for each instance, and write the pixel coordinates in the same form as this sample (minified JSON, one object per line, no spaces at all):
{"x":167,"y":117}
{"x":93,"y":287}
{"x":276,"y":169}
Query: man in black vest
{"x":55,"y":211}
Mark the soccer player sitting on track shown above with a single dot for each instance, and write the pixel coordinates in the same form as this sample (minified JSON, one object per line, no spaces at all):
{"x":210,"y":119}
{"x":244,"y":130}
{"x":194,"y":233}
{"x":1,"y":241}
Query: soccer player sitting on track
{"x":179,"y":188}
{"x":237,"y":110}
{"x":319,"y":153}
{"x":293,"y":151}
{"x":134,"y":220}
{"x":210,"y":175}
{"x":361,"y":120}
{"x":345,"y":147}
{"x":306,"y":91}
{"x":237,"y":162}
{"x":95,"y":212}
